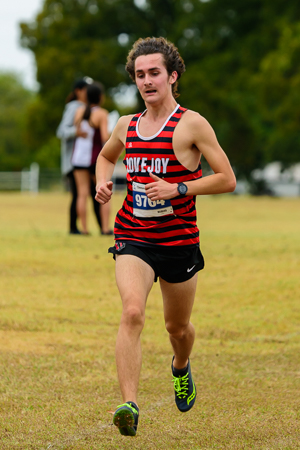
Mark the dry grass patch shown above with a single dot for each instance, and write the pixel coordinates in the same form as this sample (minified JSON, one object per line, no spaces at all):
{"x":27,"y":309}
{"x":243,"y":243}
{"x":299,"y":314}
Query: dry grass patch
{"x":59,"y":316}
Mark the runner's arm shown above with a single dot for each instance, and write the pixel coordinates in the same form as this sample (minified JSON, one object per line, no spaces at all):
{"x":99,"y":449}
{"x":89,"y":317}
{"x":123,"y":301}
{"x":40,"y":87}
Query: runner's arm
{"x":222,"y":181}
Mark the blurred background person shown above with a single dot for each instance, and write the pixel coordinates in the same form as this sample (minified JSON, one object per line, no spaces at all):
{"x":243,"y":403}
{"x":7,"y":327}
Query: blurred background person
{"x":92,"y":122}
{"x":68,"y":132}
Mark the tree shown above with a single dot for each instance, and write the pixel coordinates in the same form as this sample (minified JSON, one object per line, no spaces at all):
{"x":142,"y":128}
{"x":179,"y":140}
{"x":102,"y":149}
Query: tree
{"x":15,"y":98}
{"x":230,"y":49}
{"x":278,"y":88}
{"x":242,"y":45}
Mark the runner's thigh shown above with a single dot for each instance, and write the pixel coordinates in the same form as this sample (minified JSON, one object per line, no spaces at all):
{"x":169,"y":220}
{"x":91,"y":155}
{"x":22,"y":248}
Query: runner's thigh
{"x":178,"y":300}
{"x":134,"y":279}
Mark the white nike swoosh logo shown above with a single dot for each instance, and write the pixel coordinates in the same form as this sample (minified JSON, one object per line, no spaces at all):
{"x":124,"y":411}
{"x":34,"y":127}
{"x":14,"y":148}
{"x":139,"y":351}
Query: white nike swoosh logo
{"x":189,"y":270}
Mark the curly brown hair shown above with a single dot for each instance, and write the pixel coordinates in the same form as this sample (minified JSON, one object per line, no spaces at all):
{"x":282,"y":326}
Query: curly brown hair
{"x":172,"y":59}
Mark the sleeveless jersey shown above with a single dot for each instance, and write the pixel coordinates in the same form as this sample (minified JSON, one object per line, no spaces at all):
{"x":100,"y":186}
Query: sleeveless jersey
{"x":145,"y":222}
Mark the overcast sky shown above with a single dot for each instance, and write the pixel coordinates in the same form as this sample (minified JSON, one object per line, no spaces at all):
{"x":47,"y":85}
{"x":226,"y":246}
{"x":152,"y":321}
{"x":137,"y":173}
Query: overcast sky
{"x":12,"y":56}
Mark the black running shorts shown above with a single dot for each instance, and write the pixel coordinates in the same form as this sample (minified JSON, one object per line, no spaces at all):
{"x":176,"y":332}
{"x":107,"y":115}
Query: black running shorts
{"x":172,"y":264}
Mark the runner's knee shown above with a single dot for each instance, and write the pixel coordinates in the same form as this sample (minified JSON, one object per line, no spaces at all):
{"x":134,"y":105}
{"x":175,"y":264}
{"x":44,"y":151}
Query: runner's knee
{"x":133,"y":316}
{"x":176,"y":330}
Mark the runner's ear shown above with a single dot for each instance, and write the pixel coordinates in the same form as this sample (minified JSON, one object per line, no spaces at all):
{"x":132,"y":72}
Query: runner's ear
{"x":173,"y":77}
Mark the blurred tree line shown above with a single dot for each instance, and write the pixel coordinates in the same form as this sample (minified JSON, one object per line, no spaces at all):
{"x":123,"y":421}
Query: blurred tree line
{"x":14,"y":101}
{"x":242,"y":61}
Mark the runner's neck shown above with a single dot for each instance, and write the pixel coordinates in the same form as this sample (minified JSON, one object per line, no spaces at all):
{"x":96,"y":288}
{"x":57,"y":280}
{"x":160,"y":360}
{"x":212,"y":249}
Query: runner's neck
{"x":161,"y":111}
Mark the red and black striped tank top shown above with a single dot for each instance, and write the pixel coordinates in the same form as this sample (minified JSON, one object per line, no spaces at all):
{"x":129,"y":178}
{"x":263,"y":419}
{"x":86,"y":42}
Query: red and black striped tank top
{"x":140,"y":220}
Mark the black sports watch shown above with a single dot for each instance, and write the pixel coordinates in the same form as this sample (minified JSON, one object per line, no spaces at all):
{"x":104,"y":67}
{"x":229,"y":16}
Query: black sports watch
{"x":182,"y":188}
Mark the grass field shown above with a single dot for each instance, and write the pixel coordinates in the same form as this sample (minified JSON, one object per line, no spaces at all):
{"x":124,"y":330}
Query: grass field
{"x":59,"y":317}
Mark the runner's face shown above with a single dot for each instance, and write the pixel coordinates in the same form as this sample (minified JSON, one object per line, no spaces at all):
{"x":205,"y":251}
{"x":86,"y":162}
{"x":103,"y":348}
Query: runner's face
{"x":152,"y":78}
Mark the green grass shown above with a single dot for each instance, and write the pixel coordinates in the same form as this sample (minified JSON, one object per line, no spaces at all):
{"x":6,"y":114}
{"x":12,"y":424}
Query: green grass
{"x":59,"y":315}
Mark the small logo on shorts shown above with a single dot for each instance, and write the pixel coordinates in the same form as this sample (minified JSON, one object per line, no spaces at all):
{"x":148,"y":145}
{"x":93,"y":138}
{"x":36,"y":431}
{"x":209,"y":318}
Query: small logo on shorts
{"x":189,"y":270}
{"x":119,"y":246}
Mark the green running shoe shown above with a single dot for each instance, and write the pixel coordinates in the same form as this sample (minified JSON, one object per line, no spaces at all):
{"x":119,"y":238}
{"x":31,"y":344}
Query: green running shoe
{"x":185,"y":389}
{"x":126,"y":418}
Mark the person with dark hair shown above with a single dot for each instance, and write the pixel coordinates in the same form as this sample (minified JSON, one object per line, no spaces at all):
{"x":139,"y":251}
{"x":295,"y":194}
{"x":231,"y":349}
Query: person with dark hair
{"x":156,"y":234}
{"x":93,"y":120}
{"x":172,"y":59}
{"x":68,"y":132}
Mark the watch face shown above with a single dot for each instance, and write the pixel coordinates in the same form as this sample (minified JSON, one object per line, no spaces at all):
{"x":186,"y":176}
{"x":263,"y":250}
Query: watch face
{"x":182,"y":188}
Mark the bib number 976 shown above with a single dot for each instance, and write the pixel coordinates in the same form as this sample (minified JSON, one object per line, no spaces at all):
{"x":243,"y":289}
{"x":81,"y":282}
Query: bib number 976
{"x":145,"y":207}
{"x":143,"y":201}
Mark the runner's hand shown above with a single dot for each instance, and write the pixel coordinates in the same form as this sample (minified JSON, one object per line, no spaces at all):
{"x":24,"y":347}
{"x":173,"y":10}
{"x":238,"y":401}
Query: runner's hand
{"x":160,"y":189}
{"x":104,"y":192}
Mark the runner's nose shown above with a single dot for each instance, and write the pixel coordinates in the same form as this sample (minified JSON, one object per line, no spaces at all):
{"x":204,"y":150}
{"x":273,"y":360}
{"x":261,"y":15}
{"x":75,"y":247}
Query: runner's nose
{"x":147,"y":81}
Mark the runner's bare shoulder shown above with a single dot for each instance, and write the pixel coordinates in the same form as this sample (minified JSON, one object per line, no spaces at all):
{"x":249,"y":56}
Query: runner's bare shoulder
{"x":193,"y":119}
{"x":124,"y":121}
{"x":122,"y":127}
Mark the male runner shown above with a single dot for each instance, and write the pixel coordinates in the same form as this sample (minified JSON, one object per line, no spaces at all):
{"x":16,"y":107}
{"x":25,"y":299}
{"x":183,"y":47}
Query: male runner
{"x":155,"y":230}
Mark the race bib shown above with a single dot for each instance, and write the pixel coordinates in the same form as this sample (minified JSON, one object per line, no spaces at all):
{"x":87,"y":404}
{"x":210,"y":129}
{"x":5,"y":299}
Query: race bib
{"x":144,"y":207}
